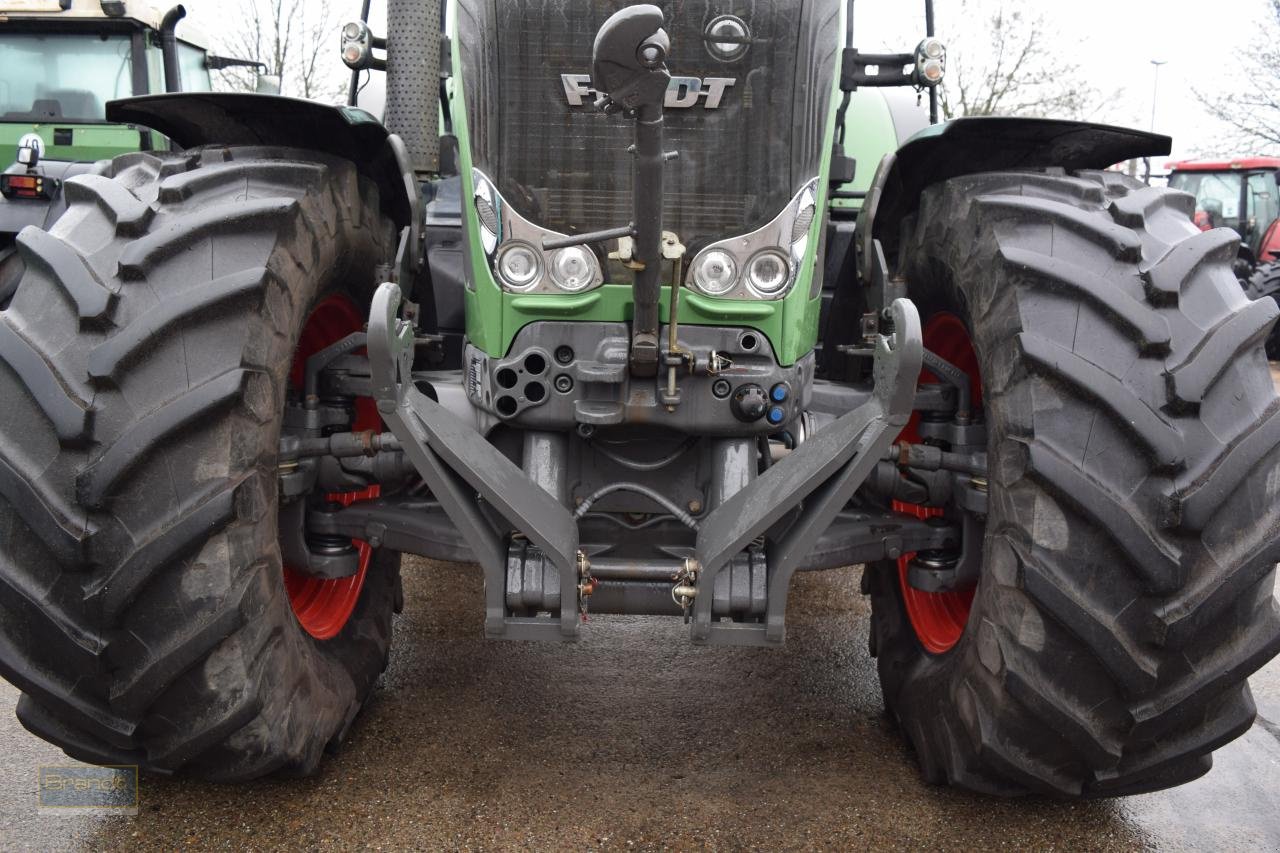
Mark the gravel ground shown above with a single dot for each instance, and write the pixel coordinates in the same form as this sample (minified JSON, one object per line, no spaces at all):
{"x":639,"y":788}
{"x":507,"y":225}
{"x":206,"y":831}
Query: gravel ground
{"x":634,"y":738}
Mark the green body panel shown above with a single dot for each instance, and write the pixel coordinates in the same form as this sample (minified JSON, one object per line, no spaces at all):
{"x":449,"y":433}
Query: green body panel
{"x":494,"y":317}
{"x":88,"y":141}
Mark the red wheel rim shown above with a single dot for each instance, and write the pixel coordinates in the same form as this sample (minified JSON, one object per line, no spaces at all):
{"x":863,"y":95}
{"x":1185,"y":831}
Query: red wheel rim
{"x":939,"y":618}
{"x":323,"y":607}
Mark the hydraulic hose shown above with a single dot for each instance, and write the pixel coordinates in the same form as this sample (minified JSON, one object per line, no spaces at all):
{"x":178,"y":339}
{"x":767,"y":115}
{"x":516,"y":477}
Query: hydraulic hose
{"x":637,"y":488}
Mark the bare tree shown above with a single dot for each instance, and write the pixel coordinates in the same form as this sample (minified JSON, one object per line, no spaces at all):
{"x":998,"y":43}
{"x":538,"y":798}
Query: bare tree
{"x":1252,"y":109}
{"x":296,"y":40}
{"x":1002,"y":60}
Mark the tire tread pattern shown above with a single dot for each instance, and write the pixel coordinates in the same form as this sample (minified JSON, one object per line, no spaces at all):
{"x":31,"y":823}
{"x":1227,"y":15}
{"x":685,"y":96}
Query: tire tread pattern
{"x":1132,"y":542}
{"x":142,"y":606}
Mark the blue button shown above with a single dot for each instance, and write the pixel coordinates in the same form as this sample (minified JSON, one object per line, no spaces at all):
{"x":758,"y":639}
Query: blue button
{"x":779,"y":393}
{"x":777,"y":415}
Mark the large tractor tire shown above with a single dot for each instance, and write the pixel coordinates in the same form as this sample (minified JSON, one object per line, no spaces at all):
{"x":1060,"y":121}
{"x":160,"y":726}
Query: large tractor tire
{"x":1133,"y":522}
{"x":144,"y":365}
{"x":11,"y":270}
{"x":1265,"y":284}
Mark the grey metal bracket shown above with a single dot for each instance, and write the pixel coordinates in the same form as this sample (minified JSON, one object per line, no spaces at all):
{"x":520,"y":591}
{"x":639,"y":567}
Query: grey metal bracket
{"x":459,"y":466}
{"x":824,"y":472}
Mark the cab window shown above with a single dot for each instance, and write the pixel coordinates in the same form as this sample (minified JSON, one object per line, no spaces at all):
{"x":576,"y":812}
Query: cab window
{"x":195,"y":76}
{"x":1262,"y":206}
{"x":62,"y":77}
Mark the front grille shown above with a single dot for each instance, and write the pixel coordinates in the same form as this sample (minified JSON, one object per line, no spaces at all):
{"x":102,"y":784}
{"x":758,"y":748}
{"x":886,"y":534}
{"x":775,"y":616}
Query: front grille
{"x":567,"y":169}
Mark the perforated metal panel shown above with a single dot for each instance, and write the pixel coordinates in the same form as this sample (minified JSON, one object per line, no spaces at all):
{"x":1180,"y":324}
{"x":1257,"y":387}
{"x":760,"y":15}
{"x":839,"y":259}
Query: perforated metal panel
{"x":413,"y":79}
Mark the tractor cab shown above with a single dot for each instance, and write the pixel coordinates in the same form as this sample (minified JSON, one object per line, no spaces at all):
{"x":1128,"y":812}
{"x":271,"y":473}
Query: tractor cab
{"x":64,"y":60}
{"x":1238,"y":194}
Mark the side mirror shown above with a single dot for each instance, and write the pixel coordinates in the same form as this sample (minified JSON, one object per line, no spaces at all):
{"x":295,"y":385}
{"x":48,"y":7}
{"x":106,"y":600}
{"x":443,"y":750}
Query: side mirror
{"x":268,"y":84}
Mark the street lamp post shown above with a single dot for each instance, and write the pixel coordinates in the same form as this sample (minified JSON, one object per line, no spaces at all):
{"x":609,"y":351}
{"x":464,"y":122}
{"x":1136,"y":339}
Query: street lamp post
{"x":1155,"y":88}
{"x":1155,"y":96}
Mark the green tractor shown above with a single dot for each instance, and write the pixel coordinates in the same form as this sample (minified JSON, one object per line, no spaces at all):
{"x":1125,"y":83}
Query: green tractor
{"x":630,"y":335}
{"x":64,"y":61}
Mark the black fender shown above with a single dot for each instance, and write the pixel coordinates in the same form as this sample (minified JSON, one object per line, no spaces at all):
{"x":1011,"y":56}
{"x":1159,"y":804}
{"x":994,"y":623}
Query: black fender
{"x":967,"y":146}
{"x":192,"y":119}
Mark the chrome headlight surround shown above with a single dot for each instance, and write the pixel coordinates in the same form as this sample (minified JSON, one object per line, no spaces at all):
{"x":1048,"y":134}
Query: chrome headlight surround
{"x":501,"y":226}
{"x":786,"y":237}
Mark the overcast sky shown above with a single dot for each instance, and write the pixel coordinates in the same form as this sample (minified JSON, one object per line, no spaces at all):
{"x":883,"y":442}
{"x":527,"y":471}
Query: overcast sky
{"x":1115,"y":41}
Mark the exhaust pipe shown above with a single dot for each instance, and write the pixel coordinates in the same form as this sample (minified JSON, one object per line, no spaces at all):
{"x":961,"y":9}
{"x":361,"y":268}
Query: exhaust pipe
{"x":413,"y":82}
{"x":169,"y":48}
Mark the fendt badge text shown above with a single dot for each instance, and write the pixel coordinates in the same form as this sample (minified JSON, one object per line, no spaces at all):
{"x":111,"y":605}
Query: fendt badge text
{"x":683,"y":93}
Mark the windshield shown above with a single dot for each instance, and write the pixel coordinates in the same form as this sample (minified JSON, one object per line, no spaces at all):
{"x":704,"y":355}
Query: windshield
{"x":1217,"y":197}
{"x":1219,"y":200}
{"x":62,"y":76}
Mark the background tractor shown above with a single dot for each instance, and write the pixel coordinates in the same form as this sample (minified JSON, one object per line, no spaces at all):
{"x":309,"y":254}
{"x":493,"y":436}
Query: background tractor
{"x":64,"y":61}
{"x":1241,"y":194}
{"x":655,"y":323}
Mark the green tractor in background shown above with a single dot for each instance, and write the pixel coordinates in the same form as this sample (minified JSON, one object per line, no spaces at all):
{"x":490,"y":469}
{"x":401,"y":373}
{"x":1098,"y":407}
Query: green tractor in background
{"x":637,"y":335}
{"x":64,"y":60}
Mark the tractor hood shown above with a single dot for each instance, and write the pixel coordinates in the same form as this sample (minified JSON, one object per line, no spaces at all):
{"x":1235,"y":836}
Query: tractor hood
{"x":747,"y":116}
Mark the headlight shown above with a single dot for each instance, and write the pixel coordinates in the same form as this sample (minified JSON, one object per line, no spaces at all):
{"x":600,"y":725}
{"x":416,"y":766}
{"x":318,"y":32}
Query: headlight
{"x":932,"y":48}
{"x":514,"y":248}
{"x":768,"y":273}
{"x":931,"y":62}
{"x":932,"y":72}
{"x":715,"y":272}
{"x":519,"y":266}
{"x":488,"y":216}
{"x":573,"y":269}
{"x":804,"y":221}
{"x":357,"y":43}
{"x":764,"y":264}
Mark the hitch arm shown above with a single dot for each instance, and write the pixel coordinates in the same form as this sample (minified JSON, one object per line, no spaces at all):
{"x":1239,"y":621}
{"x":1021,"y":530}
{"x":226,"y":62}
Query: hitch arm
{"x":823,"y":473}
{"x":459,"y":465}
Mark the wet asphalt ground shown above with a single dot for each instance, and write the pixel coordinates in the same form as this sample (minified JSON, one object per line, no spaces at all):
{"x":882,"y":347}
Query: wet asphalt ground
{"x":636,"y":739}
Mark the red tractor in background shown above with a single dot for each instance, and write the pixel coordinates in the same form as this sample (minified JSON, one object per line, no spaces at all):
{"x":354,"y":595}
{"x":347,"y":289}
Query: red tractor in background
{"x":1241,"y":194}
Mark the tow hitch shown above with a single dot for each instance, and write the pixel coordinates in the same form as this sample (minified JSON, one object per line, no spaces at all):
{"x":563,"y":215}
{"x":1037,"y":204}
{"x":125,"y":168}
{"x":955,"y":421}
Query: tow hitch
{"x":528,"y":541}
